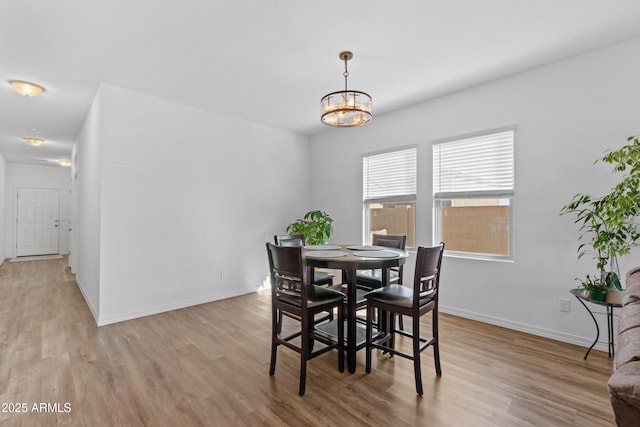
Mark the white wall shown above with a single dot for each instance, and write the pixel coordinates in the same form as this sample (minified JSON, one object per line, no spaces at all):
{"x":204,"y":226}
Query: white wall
{"x":32,"y":176}
{"x":85,"y":237}
{"x":567,"y":114}
{"x":185,"y":194}
{"x":3,"y":180}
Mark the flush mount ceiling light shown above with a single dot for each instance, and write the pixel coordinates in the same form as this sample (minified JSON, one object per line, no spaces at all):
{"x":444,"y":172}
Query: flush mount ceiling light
{"x":26,"y":88}
{"x":32,"y":140}
{"x":346,"y":108}
{"x":65,"y":163}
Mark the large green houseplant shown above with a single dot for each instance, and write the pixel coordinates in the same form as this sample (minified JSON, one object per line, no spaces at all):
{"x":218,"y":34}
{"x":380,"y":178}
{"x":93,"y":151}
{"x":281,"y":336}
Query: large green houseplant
{"x":317,"y":227}
{"x":608,"y":224}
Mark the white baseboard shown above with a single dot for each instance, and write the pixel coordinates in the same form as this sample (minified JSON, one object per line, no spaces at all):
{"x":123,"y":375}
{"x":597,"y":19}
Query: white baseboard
{"x":36,"y":258}
{"x":121,"y":317}
{"x":522,"y":327}
{"x":529,"y":329}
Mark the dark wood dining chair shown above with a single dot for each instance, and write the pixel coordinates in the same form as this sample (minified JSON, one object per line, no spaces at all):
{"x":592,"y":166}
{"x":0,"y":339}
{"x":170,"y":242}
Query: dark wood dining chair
{"x":372,"y":279}
{"x":414,"y":302}
{"x":320,"y":277}
{"x":293,"y":297}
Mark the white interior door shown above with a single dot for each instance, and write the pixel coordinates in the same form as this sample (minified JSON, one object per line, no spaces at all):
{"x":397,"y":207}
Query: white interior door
{"x":38,"y":221}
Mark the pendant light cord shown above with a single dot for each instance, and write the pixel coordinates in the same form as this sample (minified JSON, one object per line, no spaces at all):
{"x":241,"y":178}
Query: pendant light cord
{"x":346,"y":73}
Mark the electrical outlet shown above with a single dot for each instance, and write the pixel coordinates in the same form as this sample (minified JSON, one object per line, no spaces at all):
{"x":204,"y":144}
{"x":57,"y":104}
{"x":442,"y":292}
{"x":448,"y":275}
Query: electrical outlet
{"x":565,"y":305}
{"x":223,"y":274}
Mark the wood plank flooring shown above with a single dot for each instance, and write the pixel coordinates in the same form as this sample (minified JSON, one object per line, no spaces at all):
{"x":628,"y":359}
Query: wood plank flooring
{"x":208,"y":366}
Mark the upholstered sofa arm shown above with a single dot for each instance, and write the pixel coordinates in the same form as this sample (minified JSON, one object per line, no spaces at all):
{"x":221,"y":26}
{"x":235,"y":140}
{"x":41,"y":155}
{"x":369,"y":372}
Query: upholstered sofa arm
{"x":624,"y":383}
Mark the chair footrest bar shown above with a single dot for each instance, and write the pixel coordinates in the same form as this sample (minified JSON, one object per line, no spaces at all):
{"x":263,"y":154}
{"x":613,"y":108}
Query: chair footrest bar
{"x":410,"y":335}
{"x":379,"y":343}
{"x":391,"y":351}
{"x":289,"y":337}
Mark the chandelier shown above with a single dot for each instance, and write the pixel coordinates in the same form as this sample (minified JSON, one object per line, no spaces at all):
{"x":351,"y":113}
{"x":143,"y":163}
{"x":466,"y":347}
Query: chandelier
{"x":346,"y":108}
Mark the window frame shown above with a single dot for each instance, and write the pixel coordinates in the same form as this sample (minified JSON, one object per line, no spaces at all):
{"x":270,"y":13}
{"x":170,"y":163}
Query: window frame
{"x":401,"y":199}
{"x":502,"y":194}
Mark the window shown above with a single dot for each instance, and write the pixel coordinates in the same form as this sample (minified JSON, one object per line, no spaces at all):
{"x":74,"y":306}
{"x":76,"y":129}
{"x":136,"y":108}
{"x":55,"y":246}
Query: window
{"x":389,"y":194}
{"x":473,"y":190}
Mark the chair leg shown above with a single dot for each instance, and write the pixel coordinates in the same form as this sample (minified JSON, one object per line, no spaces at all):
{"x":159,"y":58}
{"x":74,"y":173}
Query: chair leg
{"x":340,"y":339}
{"x":436,"y":347}
{"x":416,"y":354}
{"x":369,"y":337}
{"x":391,"y":329}
{"x":400,"y":322}
{"x":303,"y":376}
{"x":276,"y":322}
{"x":304,"y":355}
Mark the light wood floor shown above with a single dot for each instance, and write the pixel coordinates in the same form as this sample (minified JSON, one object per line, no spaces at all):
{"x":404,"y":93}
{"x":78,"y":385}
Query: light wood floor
{"x":208,"y":365}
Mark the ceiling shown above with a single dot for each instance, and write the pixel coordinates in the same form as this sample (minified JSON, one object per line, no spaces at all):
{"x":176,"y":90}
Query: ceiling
{"x":272,"y":61}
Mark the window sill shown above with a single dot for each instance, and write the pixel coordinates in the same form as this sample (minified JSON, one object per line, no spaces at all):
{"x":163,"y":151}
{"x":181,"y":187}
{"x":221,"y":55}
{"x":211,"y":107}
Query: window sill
{"x":478,"y":257}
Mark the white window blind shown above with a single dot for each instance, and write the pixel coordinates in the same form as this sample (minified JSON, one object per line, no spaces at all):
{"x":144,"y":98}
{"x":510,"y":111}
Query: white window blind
{"x":389,"y":175}
{"x":474,"y":167}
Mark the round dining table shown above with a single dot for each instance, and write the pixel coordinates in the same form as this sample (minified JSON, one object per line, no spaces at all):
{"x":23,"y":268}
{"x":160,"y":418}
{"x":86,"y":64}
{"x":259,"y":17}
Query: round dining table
{"x":350,"y":259}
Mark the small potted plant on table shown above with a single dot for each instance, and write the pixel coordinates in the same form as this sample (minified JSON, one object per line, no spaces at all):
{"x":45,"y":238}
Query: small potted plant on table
{"x":594,"y":288}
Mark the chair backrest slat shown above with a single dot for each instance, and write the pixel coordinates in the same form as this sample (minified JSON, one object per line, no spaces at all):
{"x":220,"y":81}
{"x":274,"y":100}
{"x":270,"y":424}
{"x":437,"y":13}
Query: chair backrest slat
{"x":289,"y":239}
{"x":427,"y":272}
{"x":287,"y":271}
{"x":389,"y":241}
